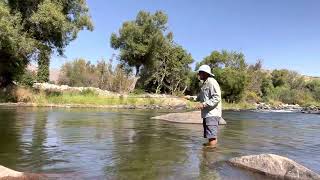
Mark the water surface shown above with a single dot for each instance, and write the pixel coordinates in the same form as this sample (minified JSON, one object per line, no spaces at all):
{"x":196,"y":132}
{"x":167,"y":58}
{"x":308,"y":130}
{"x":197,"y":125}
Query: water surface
{"x":122,"y":144}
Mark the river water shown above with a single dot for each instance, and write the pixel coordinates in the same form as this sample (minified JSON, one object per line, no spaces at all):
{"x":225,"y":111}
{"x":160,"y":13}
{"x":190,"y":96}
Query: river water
{"x":128,"y":144}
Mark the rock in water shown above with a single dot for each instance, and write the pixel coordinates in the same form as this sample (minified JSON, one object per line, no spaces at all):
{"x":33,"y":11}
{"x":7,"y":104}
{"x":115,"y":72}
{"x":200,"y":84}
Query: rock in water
{"x":222,"y":121}
{"x":274,"y":165}
{"x":193,"y":117}
{"x":6,"y":172}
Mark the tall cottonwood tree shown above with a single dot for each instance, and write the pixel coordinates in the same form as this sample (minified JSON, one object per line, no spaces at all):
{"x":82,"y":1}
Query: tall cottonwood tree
{"x":145,"y":45}
{"x":51,"y":25}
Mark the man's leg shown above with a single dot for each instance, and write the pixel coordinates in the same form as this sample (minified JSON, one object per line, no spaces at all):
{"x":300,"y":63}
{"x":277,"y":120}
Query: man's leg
{"x":211,"y":130}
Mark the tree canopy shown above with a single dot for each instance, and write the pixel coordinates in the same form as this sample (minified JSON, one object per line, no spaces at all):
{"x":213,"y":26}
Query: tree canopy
{"x":44,"y":26}
{"x":145,"y":44}
{"x":138,"y":39}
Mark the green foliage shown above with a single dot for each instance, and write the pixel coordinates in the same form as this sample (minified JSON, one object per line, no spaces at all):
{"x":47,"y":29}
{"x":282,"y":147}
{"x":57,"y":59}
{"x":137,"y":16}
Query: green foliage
{"x":223,"y":59}
{"x":290,"y":96}
{"x":102,"y":75}
{"x":43,"y":67}
{"x":78,"y":73}
{"x":32,"y":29}
{"x":194,"y":84}
{"x":280,"y":77}
{"x":144,"y":44}
{"x":138,"y":39}
{"x":138,"y":91}
{"x":252,"y":97}
{"x":16,"y":46}
{"x":256,"y":77}
{"x":233,"y":83}
{"x":53,"y":23}
{"x":314,"y":87}
{"x":266,"y":86}
{"x":88,"y":92}
{"x":28,"y":78}
{"x":170,"y":71}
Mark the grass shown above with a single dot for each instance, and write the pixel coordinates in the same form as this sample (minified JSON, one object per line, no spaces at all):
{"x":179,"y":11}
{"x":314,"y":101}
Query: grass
{"x":238,"y":106}
{"x":228,"y":106}
{"x":89,"y":98}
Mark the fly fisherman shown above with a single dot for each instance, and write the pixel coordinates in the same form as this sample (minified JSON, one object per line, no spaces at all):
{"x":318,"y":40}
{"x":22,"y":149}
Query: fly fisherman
{"x":210,"y":105}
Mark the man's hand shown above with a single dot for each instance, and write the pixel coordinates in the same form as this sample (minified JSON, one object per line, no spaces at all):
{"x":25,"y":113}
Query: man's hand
{"x":190,"y":98}
{"x":199,"y":106}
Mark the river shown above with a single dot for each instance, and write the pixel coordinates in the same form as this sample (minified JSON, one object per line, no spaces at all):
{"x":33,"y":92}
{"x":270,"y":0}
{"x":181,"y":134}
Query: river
{"x":128,"y":144}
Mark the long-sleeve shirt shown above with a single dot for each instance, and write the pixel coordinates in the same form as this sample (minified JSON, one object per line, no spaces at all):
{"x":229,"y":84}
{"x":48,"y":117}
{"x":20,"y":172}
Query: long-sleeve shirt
{"x":210,"y":97}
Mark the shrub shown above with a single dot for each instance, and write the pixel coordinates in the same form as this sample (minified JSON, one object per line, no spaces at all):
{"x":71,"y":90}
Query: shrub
{"x":23,"y":94}
{"x":88,"y":92}
{"x":28,"y":78}
{"x":252,"y":97}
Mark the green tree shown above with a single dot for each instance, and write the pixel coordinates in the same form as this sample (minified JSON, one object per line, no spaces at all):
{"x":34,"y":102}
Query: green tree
{"x":225,"y":58}
{"x":233,"y":83}
{"x":145,"y":45}
{"x":170,"y":71}
{"x":280,"y":77}
{"x":266,"y":86}
{"x":16,"y":46}
{"x":138,"y":39}
{"x":78,"y":73}
{"x":314,"y":87}
{"x":52,"y":25}
{"x":256,"y":77}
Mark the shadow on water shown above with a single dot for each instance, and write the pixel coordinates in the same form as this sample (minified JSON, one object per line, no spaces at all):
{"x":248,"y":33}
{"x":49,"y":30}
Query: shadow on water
{"x":122,"y":144}
{"x":10,"y":150}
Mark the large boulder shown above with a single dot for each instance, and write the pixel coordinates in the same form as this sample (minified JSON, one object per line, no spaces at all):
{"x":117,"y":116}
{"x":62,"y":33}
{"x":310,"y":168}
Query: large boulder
{"x":193,"y":117}
{"x":8,"y":174}
{"x":274,"y":165}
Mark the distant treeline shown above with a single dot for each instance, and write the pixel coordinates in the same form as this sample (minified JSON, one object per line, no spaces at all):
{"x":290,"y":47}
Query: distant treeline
{"x":239,"y":81}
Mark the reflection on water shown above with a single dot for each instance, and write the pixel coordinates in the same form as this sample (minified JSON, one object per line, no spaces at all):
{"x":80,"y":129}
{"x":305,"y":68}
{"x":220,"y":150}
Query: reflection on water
{"x":122,"y":144}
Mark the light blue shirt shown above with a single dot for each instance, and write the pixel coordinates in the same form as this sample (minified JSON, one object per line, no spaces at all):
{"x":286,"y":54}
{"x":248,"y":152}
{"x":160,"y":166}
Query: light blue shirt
{"x":210,"y":97}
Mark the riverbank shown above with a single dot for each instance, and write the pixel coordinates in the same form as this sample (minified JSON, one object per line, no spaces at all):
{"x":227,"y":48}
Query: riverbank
{"x":50,"y":95}
{"x":164,"y":104}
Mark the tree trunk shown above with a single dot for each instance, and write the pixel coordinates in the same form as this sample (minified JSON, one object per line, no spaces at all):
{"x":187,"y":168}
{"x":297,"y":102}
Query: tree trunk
{"x":43,"y":66}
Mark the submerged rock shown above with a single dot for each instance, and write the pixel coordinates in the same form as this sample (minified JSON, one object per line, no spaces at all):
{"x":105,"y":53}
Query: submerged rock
{"x":274,"y":165}
{"x":193,"y":117}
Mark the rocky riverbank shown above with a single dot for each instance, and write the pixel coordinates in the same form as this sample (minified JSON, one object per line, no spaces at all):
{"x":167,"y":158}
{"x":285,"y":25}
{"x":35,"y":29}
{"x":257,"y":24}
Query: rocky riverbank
{"x":287,"y":108}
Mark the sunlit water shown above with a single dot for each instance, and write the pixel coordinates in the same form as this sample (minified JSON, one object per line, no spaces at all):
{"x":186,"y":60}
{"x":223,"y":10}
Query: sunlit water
{"x":128,"y":144}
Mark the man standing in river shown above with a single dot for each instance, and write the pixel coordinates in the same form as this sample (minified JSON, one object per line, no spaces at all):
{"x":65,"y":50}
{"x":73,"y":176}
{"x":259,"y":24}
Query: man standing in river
{"x":210,"y":105}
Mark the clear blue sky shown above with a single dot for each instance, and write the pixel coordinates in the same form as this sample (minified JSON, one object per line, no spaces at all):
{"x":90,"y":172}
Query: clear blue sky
{"x":284,"y":33}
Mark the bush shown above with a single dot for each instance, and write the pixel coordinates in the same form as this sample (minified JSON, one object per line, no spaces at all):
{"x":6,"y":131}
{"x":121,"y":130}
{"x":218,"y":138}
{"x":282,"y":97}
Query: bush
{"x":290,"y":96}
{"x":233,"y":83}
{"x":28,"y":78}
{"x":138,"y":91}
{"x":7,"y":94}
{"x":88,"y":92}
{"x":84,"y":74}
{"x":252,"y":97}
{"x":23,"y":94}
